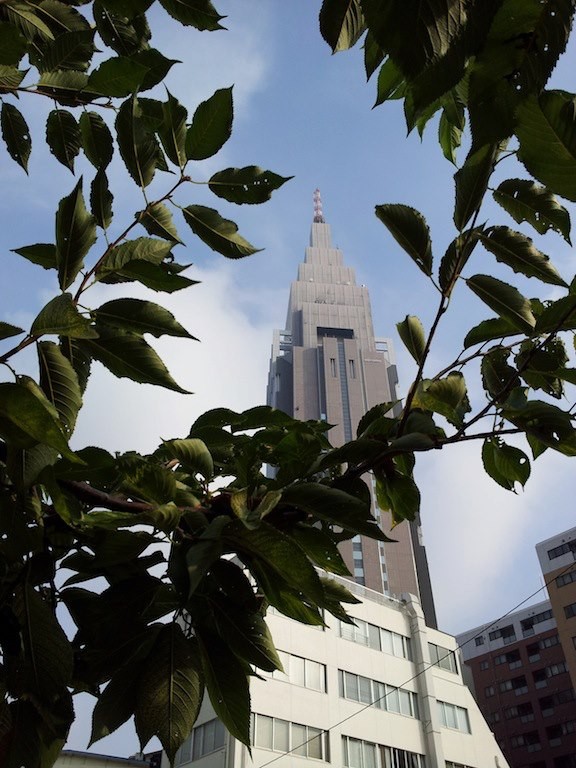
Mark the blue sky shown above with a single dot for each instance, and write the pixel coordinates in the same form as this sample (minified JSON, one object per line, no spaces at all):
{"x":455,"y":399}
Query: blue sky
{"x":301,"y":111}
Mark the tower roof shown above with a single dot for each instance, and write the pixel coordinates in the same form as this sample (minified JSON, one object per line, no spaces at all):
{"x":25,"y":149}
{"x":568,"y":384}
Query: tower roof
{"x":318,"y":215}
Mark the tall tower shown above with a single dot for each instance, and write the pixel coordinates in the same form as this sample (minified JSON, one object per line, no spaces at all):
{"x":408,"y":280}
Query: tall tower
{"x":328,"y":364}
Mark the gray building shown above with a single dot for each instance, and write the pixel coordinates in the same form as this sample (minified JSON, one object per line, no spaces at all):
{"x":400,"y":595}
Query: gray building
{"x":328,"y":364}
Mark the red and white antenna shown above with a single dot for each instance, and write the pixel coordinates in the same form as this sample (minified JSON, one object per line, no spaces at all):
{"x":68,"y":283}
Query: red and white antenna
{"x":318,"y":215}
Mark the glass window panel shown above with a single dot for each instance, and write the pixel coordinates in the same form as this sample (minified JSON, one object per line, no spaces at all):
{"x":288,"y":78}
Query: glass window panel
{"x":398,"y":644}
{"x":463,"y":721}
{"x":407,"y":649}
{"x":386,"y":638}
{"x":369,"y":755}
{"x":315,"y":677}
{"x":186,"y":750}
{"x":197,"y":742}
{"x":209,"y":731}
{"x":450,"y":711}
{"x":347,"y":631}
{"x":351,"y":686}
{"x":220,"y":735}
{"x":264,"y":731}
{"x":281,"y":735}
{"x":386,"y":755}
{"x":355,"y":753}
{"x":298,"y":739}
{"x":296,"y":673}
{"x":361,"y":632}
{"x":365,"y":690}
{"x":341,"y":683}
{"x":315,"y":743}
{"x":405,"y":703}
{"x":374,"y":636}
{"x":379,"y":695}
{"x":392,"y":701}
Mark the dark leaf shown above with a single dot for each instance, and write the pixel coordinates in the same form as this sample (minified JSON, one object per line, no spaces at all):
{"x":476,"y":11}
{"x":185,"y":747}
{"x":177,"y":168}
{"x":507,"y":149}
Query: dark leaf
{"x":412,"y":334}
{"x":246,"y":185}
{"x":59,"y":381}
{"x":471,"y":183}
{"x":101,"y":199}
{"x":61,"y":317}
{"x":124,"y":36}
{"x":157,"y":220}
{"x":218,"y":233}
{"x":120,"y":76}
{"x":447,"y":396}
{"x":140,"y":316}
{"x":63,"y":137}
{"x":196,"y":13}
{"x":409,"y":229}
{"x":7,"y":330}
{"x":43,"y":254}
{"x":75,"y":235}
{"x":505,"y":300}
{"x":16,"y":134}
{"x":455,"y":259}
{"x":96,"y":140}
{"x":72,"y":50}
{"x":505,"y":464}
{"x":390,"y":82}
{"x":341,"y":23}
{"x":172,"y":131}
{"x":211,"y":126}
{"x":526,"y":201}
{"x":495,"y":328}
{"x":517,"y":251}
{"x":138,"y":146}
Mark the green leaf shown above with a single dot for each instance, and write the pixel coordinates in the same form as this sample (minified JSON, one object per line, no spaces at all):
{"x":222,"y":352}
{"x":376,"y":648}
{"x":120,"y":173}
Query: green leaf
{"x":127,"y":8}
{"x":494,"y":328}
{"x":219,"y":234}
{"x":450,"y":134}
{"x":141,"y":249}
{"x":157,"y":67}
{"x":195,"y":13}
{"x":116,"y":703}
{"x":409,"y":229}
{"x":48,"y":659}
{"x":471,"y":183}
{"x":546,"y":131}
{"x":96,"y":140}
{"x":72,"y":50}
{"x":192,"y":454}
{"x":226,"y":684}
{"x":140,"y":316}
{"x":7,"y":330}
{"x":398,"y":494}
{"x":246,"y":185}
{"x":63,"y":137}
{"x":75,"y":235}
{"x":498,"y":377}
{"x":61,"y":317}
{"x":127,"y":355}
{"x":547,"y":423}
{"x":247,"y":634}
{"x":411,"y":331}
{"x":505,"y":300}
{"x":10,"y":78}
{"x":455,"y":259}
{"x":157,"y":220}
{"x":12,"y":44}
{"x":211,"y":125}
{"x":172,"y":132}
{"x":27,"y":408}
{"x":517,"y":251}
{"x":526,"y":201}
{"x":158,"y":277}
{"x":123,"y":35}
{"x":333,"y":505}
{"x":43,"y":254}
{"x":66,"y":87}
{"x":373,"y":55}
{"x":505,"y":464}
{"x":138,"y":146}
{"x":341,"y":23}
{"x":390,"y":82}
{"x":59,"y":382}
{"x":447,"y":396}
{"x":101,"y":199}
{"x":170,"y":691}
{"x":320,"y":548}
{"x":16,"y":134}
{"x":558,"y":315}
{"x":120,"y":76}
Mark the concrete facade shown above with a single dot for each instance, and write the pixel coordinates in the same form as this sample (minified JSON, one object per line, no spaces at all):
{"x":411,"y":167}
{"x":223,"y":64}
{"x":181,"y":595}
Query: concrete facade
{"x":328,"y":364}
{"x":386,"y":693}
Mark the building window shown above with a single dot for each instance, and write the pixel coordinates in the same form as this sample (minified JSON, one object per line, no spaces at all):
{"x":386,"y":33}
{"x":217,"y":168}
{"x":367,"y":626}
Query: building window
{"x":570,"y":610}
{"x":352,"y":368}
{"x":443,"y":657}
{"x":507,"y":634}
{"x":203,"y":740}
{"x":387,"y":697}
{"x":283,"y":736}
{"x":512,"y":659}
{"x":365,"y":754}
{"x":528,"y":624}
{"x":530,"y":740}
{"x":479,"y":641}
{"x":566,"y":578}
{"x":489,"y":691}
{"x":569,"y":546}
{"x":451,"y":764}
{"x":333,"y":366}
{"x":452,"y":716}
{"x":516,"y":684}
{"x":375,"y":637}
{"x":300,"y":671}
{"x":484,"y":665}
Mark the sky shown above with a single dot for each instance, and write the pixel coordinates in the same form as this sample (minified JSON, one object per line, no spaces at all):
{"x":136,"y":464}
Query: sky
{"x":302,"y":112}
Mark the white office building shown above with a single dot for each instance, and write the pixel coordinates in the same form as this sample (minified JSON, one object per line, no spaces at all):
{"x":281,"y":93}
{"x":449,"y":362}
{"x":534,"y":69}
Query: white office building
{"x":386,"y":693}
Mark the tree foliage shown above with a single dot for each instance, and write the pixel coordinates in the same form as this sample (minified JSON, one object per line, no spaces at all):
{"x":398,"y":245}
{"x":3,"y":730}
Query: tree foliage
{"x":166,"y":563}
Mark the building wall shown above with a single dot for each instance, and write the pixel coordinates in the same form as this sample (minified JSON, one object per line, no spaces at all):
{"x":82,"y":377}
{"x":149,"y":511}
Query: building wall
{"x":523,"y":687}
{"x":350,"y":659}
{"x":78,"y":759}
{"x":557,"y":558}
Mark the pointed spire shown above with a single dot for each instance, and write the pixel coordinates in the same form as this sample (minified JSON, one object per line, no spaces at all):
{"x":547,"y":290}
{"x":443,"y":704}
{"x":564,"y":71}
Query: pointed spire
{"x":318,"y":216}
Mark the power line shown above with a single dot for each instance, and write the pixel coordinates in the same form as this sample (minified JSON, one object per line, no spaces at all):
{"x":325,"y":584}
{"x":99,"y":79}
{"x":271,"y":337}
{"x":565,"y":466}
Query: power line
{"x":418,"y":674}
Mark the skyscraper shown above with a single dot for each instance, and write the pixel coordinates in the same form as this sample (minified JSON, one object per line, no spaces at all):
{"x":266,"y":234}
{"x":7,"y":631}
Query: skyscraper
{"x":328,"y":364}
